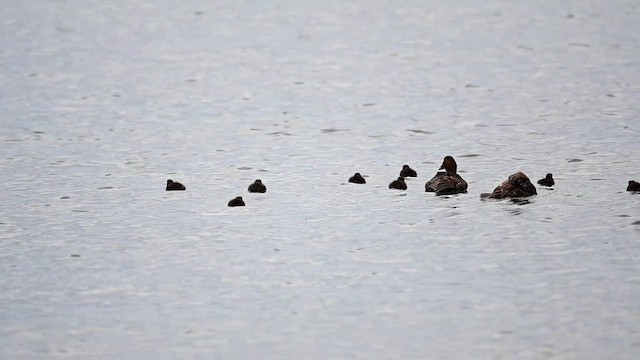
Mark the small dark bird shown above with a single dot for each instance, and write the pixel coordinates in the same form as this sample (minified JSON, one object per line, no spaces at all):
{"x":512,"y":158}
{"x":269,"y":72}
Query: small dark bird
{"x":547,"y":181}
{"x":407,"y":171}
{"x":236,"y":202}
{"x":357,"y":179}
{"x":174,"y":186}
{"x":257,"y":187}
{"x":633,"y":186}
{"x":517,"y":185}
{"x":447,"y":182}
{"x":398,"y":184}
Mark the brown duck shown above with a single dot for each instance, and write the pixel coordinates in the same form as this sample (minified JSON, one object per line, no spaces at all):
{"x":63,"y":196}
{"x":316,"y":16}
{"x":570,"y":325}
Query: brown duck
{"x":257,"y":187}
{"x":547,"y":181}
{"x":398,"y":184}
{"x":236,"y":202}
{"x":174,"y":186}
{"x":447,"y":182}
{"x":517,"y":185}
{"x":407,"y":171}
{"x":357,"y":179}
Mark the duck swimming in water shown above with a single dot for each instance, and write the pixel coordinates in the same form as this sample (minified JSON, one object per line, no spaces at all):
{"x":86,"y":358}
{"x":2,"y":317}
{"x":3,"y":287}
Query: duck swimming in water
{"x":447,"y":182}
{"x":633,"y":186}
{"x":174,"y":186}
{"x":547,"y":181}
{"x":517,"y":185}
{"x":398,"y":184}
{"x":357,"y":179}
{"x":257,"y":187}
{"x":407,"y":171}
{"x":236,"y":202}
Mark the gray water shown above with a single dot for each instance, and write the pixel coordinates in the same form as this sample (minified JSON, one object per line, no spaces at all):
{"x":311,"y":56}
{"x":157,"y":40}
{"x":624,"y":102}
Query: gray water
{"x":103,"y":101}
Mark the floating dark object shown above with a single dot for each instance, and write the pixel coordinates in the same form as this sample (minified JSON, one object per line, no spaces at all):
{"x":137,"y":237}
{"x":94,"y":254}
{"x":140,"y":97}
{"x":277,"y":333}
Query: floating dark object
{"x":175,"y":186}
{"x":633,"y":186}
{"x":407,"y":171}
{"x":447,"y":182}
{"x":236,"y":202}
{"x":517,"y":185}
{"x":257,"y":187}
{"x":357,"y":179}
{"x":547,"y":181}
{"x":398,"y":184}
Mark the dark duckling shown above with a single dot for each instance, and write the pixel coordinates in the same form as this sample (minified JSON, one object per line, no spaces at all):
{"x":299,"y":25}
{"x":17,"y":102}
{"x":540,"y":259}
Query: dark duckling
{"x":257,"y":187}
{"x":407,"y":171}
{"x":633,"y":186}
{"x":175,"y":186}
{"x":236,"y":202}
{"x":547,"y":181}
{"x":398,"y":184}
{"x":517,"y":185}
{"x":357,"y":179}
{"x":447,"y":182}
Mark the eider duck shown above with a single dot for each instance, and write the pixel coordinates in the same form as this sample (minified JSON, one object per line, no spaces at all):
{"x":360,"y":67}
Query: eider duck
{"x":547,"y":181}
{"x":174,"y":186}
{"x":236,"y":202}
{"x":257,"y":187}
{"x":407,"y":171}
{"x":517,"y":185}
{"x":398,"y":184}
{"x":447,"y":182}
{"x":633,"y":186}
{"x":357,"y":179}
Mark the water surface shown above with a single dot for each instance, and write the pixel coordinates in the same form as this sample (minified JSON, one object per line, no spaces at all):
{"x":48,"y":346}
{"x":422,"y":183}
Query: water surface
{"x":102,"y":102}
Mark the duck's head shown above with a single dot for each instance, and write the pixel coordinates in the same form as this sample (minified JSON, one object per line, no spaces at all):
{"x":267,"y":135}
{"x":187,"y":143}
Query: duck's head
{"x":405,"y":167}
{"x":258,"y":181}
{"x":169,"y":182}
{"x":449,"y":165}
{"x":401,"y":178}
{"x":239,"y":198}
{"x":549,"y":177}
{"x":521,"y":181}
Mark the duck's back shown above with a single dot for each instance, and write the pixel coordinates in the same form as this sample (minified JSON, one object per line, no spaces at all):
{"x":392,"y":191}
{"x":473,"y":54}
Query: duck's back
{"x":502,"y":192}
{"x":175,"y":186}
{"x":398,"y":185}
{"x":445,"y":184}
{"x":517,"y":185}
{"x":257,"y":187}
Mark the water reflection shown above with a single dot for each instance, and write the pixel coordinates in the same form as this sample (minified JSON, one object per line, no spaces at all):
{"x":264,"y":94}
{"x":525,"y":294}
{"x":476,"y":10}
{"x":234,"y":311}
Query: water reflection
{"x":521,"y":201}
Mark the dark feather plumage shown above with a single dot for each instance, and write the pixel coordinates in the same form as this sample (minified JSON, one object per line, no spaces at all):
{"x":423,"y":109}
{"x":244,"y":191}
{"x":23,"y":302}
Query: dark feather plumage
{"x":517,"y":185}
{"x":447,"y":182}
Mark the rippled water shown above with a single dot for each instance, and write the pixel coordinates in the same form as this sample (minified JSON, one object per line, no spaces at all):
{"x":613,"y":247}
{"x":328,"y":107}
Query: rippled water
{"x":104,"y":101}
